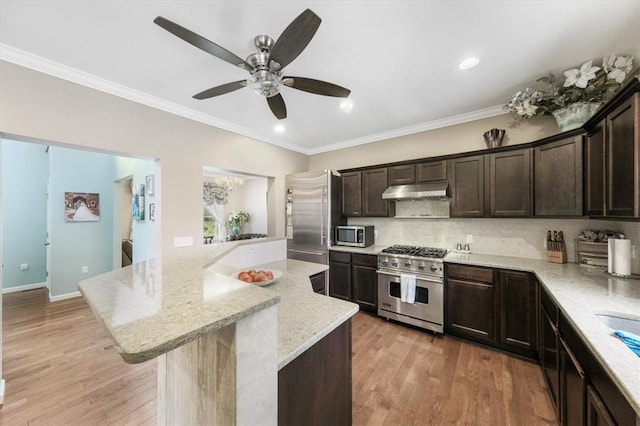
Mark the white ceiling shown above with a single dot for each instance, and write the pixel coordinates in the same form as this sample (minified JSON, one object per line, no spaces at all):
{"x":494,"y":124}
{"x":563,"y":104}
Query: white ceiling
{"x":399,"y":58}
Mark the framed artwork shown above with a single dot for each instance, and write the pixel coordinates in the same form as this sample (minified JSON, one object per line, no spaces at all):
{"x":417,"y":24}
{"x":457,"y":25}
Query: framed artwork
{"x":138,"y":203}
{"x":81,"y":207}
{"x":152,"y":211}
{"x":150,"y":181}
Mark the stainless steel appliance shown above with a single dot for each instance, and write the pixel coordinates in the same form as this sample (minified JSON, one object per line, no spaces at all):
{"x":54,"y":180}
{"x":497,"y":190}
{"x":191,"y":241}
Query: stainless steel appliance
{"x":312,"y":212}
{"x":427,"y":266}
{"x":354,"y":236}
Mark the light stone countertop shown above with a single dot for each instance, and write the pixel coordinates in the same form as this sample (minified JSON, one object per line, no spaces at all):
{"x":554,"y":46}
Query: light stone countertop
{"x":374,"y":249}
{"x":155,"y":306}
{"x":581,"y":293}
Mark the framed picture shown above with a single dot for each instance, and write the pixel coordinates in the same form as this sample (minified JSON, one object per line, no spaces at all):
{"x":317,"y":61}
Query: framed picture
{"x":138,"y":203}
{"x":152,"y":211}
{"x":150,"y":181}
{"x":81,"y":207}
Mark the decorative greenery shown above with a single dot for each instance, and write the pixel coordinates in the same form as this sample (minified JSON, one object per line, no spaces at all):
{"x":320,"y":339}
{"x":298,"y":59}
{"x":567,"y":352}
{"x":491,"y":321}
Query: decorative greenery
{"x":589,"y":83}
{"x":239,"y":218}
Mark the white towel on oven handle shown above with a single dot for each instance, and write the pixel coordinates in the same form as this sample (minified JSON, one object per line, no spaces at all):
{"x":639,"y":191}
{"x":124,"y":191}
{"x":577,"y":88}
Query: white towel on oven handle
{"x":407,"y":288}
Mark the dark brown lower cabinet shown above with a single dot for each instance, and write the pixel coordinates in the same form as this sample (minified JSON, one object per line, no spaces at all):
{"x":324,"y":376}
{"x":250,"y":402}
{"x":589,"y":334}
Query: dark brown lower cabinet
{"x":573,"y":388}
{"x":518,"y":311}
{"x":549,"y":359}
{"x":597,"y":413}
{"x":319,"y":282}
{"x":364,"y":281}
{"x":340,"y":275}
{"x":315,"y":388}
{"x":471,"y":309}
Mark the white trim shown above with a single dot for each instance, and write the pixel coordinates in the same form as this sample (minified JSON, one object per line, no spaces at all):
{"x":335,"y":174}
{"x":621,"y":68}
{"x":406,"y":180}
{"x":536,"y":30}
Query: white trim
{"x":1,"y":392}
{"x":64,"y":296}
{"x":38,"y":63}
{"x":25,"y":287}
{"x":416,"y":128}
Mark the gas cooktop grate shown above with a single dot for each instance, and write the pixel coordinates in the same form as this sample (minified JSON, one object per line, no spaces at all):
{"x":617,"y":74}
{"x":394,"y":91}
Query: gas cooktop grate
{"x":431,"y":252}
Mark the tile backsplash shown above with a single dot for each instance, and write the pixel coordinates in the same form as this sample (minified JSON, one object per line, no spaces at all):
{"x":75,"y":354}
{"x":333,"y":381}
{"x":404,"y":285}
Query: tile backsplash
{"x":503,"y":237}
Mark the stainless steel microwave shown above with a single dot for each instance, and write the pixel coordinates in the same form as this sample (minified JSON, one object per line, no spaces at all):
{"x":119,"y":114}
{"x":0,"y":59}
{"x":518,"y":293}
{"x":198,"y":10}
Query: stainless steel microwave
{"x":354,"y":236}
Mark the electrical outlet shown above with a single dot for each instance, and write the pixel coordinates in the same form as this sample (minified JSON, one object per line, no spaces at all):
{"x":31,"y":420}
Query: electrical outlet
{"x":24,"y":266}
{"x":253,"y":249}
{"x":85,"y":270}
{"x":469,"y":239}
{"x":375,"y":233}
{"x":183,"y":241}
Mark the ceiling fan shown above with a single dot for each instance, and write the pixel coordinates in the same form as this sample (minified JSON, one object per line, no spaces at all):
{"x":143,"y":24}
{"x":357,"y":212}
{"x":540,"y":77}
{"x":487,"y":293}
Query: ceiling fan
{"x":265,"y":65}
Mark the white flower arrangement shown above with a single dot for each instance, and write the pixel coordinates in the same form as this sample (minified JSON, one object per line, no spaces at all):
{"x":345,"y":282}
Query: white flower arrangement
{"x":239,"y":218}
{"x":588,"y":83}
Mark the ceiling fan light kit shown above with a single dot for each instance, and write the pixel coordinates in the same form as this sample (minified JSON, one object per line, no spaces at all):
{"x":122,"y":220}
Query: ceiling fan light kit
{"x":265,"y":65}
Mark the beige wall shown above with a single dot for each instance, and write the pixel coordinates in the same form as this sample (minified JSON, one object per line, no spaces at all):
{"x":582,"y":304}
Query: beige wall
{"x":447,"y":140}
{"x":38,"y":106}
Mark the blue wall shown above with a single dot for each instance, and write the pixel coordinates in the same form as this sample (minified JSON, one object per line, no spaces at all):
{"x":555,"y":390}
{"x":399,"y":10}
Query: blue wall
{"x":24,"y":169}
{"x":78,"y":244}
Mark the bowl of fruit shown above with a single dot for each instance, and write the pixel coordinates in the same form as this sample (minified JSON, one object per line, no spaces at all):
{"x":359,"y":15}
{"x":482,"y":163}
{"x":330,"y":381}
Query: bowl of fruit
{"x":260,"y":277}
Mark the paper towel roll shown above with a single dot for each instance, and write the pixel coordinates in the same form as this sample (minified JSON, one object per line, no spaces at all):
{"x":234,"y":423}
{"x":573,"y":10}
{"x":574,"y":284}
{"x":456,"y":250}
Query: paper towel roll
{"x":622,"y":257}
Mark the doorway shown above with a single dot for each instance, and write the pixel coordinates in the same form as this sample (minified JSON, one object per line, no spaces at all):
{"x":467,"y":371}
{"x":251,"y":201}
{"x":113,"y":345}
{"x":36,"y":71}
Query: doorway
{"x":123,"y":246}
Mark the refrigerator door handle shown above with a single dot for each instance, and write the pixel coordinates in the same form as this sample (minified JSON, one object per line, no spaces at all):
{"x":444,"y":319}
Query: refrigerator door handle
{"x":323,"y":207}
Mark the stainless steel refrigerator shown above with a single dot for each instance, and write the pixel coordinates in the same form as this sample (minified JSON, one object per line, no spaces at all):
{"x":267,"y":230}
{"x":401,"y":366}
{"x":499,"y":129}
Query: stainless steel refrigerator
{"x":312,"y":212}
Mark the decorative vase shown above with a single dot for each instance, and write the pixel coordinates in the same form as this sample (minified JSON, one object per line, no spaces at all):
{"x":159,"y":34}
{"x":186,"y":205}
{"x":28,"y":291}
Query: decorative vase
{"x":575,"y":115}
{"x":493,"y":137}
{"x":235,"y":229}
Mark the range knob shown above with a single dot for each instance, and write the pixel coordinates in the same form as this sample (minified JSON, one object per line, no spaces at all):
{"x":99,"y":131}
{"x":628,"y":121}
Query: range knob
{"x":407,"y":263}
{"x":384,"y":261}
{"x":421,"y":266}
{"x":394,"y":262}
{"x":434,"y":268}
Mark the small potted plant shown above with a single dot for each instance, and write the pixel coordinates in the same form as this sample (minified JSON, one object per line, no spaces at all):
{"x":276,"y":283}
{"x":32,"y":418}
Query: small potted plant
{"x":236,"y":220}
{"x":583,"y":91}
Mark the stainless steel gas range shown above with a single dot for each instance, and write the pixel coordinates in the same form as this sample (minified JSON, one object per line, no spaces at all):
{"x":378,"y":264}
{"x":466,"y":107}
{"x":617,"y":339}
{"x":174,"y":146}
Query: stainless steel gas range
{"x":426,"y":265}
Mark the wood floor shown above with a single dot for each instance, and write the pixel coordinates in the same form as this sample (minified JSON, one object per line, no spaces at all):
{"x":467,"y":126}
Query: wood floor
{"x":61,"y":369}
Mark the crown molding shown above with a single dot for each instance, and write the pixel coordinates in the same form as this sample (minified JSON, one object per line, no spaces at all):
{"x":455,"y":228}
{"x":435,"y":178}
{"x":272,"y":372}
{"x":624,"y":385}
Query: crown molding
{"x":417,"y":128}
{"x":55,"y":69}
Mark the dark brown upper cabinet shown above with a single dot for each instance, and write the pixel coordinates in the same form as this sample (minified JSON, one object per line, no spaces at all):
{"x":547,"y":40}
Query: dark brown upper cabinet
{"x":508,"y":183}
{"x":374,"y":183}
{"x":431,"y":171}
{"x":352,"y":194}
{"x":623,"y":159}
{"x":594,"y":162}
{"x":558,"y":178}
{"x":467,"y":186}
{"x":401,"y":175}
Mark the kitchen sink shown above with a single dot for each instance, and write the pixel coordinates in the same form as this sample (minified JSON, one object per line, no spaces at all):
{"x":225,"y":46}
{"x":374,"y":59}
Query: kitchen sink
{"x":621,"y":322}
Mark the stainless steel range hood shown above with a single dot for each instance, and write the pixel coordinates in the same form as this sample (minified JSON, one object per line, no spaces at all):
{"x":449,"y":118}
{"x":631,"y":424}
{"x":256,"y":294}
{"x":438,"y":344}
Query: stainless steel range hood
{"x":420,"y":191}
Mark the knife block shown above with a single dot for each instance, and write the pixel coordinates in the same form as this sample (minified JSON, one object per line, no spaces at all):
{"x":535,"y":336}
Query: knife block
{"x":556,"y":252}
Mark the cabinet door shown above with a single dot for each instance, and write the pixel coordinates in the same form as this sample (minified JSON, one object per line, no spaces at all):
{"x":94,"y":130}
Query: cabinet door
{"x":470,"y":309}
{"x":573,"y":388}
{"x":549,"y":360}
{"x":597,"y":413}
{"x":509,"y":182}
{"x":594,"y":156}
{"x":340,"y":280}
{"x":402,"y":175}
{"x":518,"y":312}
{"x":352,"y":194}
{"x":319,"y":283}
{"x":623,"y":149}
{"x":431,"y":171}
{"x":374,"y":183}
{"x":365,"y":287}
{"x":558,"y":178}
{"x":467,"y":186}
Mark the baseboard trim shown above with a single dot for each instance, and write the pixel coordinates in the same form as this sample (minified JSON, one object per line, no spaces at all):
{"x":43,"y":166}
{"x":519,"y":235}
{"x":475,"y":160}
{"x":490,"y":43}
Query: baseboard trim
{"x":1,"y":392}
{"x":64,"y":296}
{"x":23,"y":287}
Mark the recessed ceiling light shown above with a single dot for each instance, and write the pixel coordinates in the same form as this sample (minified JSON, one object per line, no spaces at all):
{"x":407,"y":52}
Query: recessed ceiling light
{"x":346,"y":105}
{"x":469,"y":63}
{"x":279,"y":128}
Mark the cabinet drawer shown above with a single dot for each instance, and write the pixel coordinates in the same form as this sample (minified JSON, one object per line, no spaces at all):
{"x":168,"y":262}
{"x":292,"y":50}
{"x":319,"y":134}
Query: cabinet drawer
{"x":470,"y":273}
{"x":364,"y":260}
{"x":339,"y":256}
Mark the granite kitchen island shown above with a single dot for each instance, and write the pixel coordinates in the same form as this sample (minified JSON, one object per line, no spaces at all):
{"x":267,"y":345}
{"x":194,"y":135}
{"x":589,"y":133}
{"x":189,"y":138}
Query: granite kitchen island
{"x":228,"y":352}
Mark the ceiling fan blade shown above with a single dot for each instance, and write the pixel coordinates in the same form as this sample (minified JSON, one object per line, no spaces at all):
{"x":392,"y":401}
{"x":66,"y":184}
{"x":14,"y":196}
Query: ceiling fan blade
{"x":316,"y":86}
{"x":278,"y":108}
{"x":221,"y":90}
{"x":295,"y":38}
{"x":202,"y":43}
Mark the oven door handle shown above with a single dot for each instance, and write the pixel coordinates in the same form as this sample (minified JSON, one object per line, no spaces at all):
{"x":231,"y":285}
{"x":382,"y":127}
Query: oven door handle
{"x":418,"y":277}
